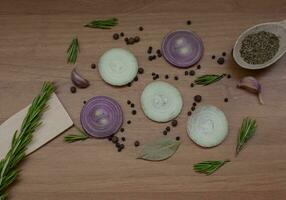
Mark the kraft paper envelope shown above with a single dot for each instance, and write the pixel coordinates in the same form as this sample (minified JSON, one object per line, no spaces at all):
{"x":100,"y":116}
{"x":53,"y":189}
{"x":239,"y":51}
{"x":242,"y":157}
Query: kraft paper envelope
{"x":55,"y":120}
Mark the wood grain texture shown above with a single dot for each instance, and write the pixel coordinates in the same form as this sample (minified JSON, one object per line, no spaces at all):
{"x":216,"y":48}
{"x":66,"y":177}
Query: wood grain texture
{"x":34,"y":36}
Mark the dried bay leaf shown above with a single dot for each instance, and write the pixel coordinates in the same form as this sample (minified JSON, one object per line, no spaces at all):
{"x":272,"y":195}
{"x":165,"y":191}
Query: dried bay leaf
{"x":159,"y":149}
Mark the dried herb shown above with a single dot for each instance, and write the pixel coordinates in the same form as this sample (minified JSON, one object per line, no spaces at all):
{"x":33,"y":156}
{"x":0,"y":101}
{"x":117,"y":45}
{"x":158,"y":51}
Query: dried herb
{"x":159,"y":149}
{"x":209,"y":167}
{"x":76,"y":137}
{"x":73,"y":51}
{"x":246,"y":131}
{"x":208,"y":79}
{"x":102,"y":24}
{"x":22,"y":138}
{"x":258,"y":48}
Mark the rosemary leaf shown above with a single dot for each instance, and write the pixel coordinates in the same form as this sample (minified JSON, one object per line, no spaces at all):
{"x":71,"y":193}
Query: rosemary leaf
{"x":73,"y":51}
{"x":76,"y":137}
{"x":246,"y":131}
{"x":102,"y":24}
{"x":209,"y":167}
{"x":208,"y":79}
{"x":22,"y":138}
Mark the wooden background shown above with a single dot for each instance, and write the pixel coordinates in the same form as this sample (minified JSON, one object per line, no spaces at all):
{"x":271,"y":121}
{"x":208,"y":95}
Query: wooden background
{"x":34,"y":36}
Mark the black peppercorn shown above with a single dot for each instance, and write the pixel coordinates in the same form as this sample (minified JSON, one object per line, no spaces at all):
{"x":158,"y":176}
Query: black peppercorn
{"x":133,"y":112}
{"x":186,"y":73}
{"x":126,"y":39}
{"x":122,"y":130}
{"x":132,"y":105}
{"x":157,"y":76}
{"x":136,"y":78}
{"x":153,"y":74}
{"x":166,"y":76}
{"x":131,"y":40}
{"x":176,"y":78}
{"x":153,"y":57}
{"x":198,"y":98}
{"x":119,"y":149}
{"x":117,"y":145}
{"x":165,"y":132}
{"x":84,"y":102}
{"x":174,"y":122}
{"x":225,"y":99}
{"x":136,"y":143}
{"x":154,"y":78}
{"x":168,"y":128}
{"x":150,"y":58}
{"x":73,"y":89}
{"x":159,"y":55}
{"x":189,"y":113}
{"x":93,"y":66}
{"x":128,"y":102}
{"x":140,"y":70}
{"x":141,"y":28}
{"x":128,"y":122}
{"x":192,"y":85}
{"x":192,"y":72}
{"x":158,"y":51}
{"x":123,"y":139}
{"x":178,"y":138}
{"x":213,"y":57}
{"x":122,"y":34}
{"x":189,"y":22}
{"x":129,"y":84}
{"x":199,"y":67}
{"x":193,"y":108}
{"x":194,"y":104}
{"x":223,"y":54}
{"x":149,"y":51}
{"x":115,"y":36}
{"x":137,"y":39}
{"x":229,"y":76}
{"x":114,"y":139}
{"x":220,"y":60}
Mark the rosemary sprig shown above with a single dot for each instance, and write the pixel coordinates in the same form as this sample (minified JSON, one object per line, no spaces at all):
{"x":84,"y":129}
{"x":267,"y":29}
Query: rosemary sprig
{"x":76,"y":137}
{"x":102,"y":24}
{"x":246,"y":131}
{"x":22,"y":138}
{"x":208,"y":79}
{"x":73,"y":51}
{"x":209,"y":167}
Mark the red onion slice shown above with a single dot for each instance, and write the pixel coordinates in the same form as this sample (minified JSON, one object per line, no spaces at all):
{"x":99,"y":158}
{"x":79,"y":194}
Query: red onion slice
{"x":182,"y":48}
{"x":101,"y":117}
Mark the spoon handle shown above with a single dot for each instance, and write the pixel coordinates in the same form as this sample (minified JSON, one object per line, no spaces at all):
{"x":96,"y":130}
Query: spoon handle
{"x":283,"y":23}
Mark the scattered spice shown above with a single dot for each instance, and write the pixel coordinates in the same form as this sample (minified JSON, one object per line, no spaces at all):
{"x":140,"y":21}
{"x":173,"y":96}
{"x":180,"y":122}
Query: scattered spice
{"x":192,"y":72}
{"x":129,"y":84}
{"x":132,"y":105}
{"x":128,"y":102}
{"x":73,"y":89}
{"x":189,"y":22}
{"x":178,"y":138}
{"x":141,"y":28}
{"x":140,"y":70}
{"x":133,"y":112}
{"x":166,"y":76}
{"x":168,"y":128}
{"x":158,"y":51}
{"x":186,"y":73}
{"x":122,"y":34}
{"x":84,"y":102}
{"x":223,"y":54}
{"x":225,"y":99}
{"x":174,"y":123}
{"x":220,"y":60}
{"x":93,"y":66}
{"x":213,"y":57}
{"x":136,"y":143}
{"x":150,"y":58}
{"x":122,"y":130}
{"x":114,"y":139}
{"x":128,"y":122}
{"x":192,"y":84}
{"x":198,"y":98}
{"x":199,"y":67}
{"x":115,"y":36}
{"x":189,"y":113}
{"x":149,"y":51}
{"x":131,"y":40}
{"x":165,"y":132}
{"x":228,"y":76}
{"x":193,"y":108}
{"x":136,"y":78}
{"x":258,"y":48}
{"x":194,"y":104}
{"x":137,"y":39}
{"x":123,"y":139}
{"x":176,"y":78}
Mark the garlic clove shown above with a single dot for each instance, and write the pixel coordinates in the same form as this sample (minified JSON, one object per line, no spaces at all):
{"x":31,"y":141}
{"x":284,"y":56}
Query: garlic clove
{"x":250,"y":84}
{"x":78,"y":80}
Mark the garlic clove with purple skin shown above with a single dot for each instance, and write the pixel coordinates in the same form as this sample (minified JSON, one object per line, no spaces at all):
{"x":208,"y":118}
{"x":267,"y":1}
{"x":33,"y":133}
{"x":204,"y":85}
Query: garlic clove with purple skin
{"x":250,"y":84}
{"x":78,"y":80}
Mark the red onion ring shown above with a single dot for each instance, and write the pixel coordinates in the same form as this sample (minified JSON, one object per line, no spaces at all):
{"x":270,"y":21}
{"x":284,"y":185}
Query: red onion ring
{"x":182,"y":48}
{"x":101,"y":117}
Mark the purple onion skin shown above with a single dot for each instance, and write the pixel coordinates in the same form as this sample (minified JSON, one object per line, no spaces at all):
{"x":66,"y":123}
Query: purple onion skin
{"x":78,"y":80}
{"x":101,"y":117}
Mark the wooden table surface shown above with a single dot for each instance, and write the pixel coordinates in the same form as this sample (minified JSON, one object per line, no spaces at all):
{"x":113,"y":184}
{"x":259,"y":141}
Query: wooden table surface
{"x":34,"y":36}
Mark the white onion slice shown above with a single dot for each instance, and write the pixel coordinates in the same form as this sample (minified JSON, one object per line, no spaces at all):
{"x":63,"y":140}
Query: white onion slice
{"x":118,"y":66}
{"x":207,"y":126}
{"x":161,"y":102}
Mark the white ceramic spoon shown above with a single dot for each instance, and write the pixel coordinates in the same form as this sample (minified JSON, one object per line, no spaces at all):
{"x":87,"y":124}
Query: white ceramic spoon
{"x":278,"y":28}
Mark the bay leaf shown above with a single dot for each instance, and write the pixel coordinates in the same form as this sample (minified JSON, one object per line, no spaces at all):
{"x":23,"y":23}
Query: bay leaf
{"x":159,"y":149}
